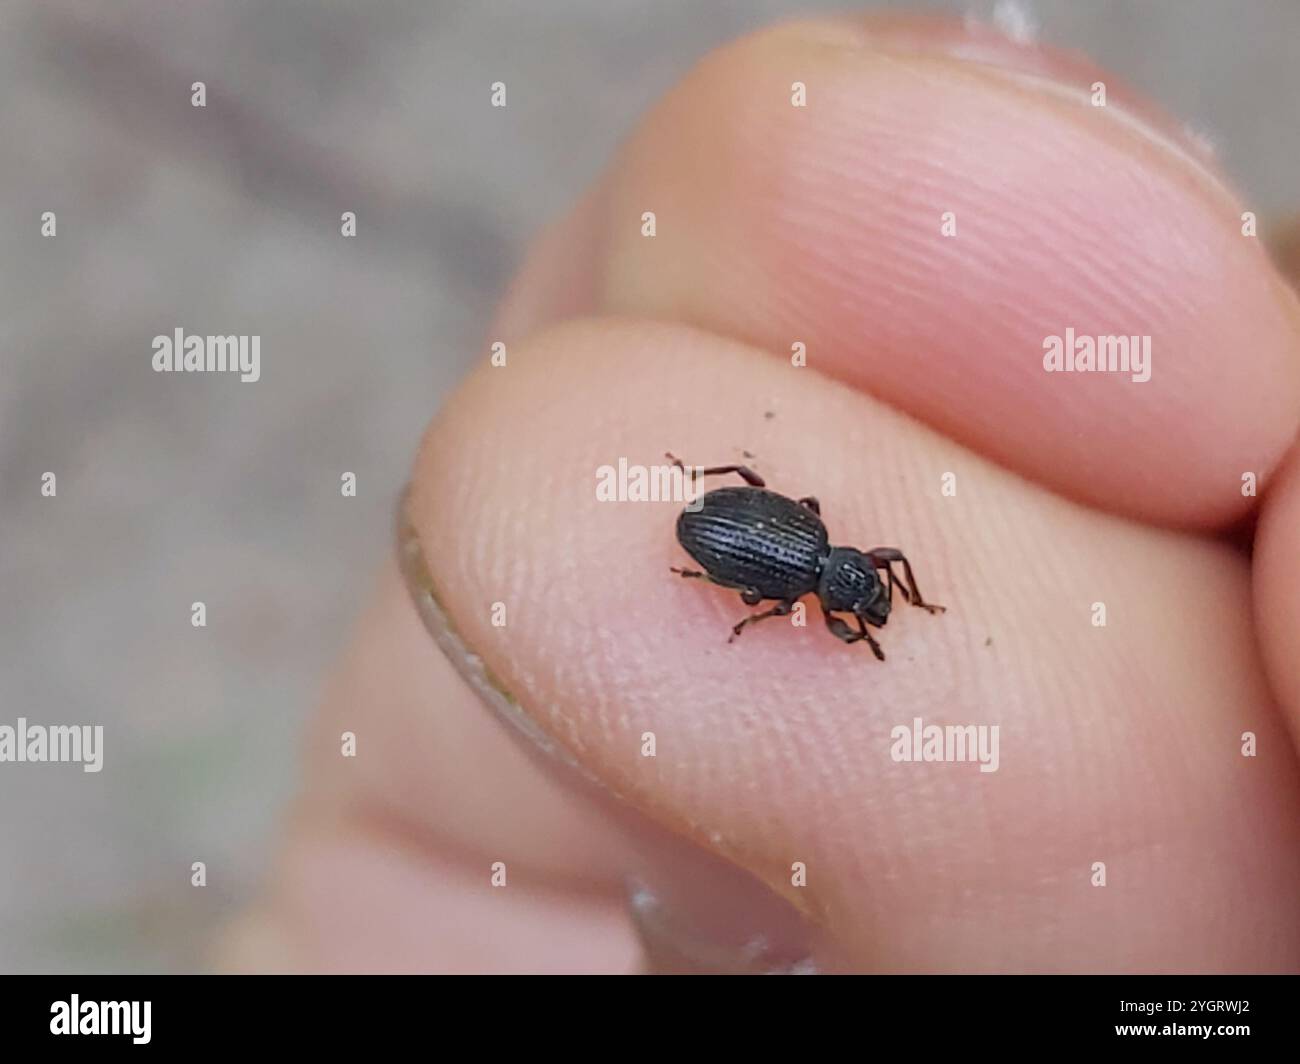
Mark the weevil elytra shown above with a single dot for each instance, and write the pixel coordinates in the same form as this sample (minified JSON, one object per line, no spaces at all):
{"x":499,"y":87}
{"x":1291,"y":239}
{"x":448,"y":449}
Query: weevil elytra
{"x":768,"y":546}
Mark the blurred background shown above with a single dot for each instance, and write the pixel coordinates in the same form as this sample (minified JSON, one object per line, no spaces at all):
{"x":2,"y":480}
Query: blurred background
{"x":225,"y":220}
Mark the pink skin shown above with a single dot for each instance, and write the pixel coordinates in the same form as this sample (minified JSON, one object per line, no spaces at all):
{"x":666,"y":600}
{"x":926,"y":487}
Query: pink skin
{"x":1119,"y":744}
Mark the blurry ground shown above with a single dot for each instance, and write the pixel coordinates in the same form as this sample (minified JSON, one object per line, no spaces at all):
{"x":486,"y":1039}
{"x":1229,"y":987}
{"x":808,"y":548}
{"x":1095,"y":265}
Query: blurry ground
{"x":178,"y":488}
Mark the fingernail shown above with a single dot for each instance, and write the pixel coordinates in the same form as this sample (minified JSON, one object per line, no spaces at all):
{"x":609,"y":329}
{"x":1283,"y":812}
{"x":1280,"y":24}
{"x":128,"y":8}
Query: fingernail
{"x":1284,"y":246}
{"x":674,"y":946}
{"x":472,"y":668}
{"x":1008,"y":47}
{"x":696,"y":912}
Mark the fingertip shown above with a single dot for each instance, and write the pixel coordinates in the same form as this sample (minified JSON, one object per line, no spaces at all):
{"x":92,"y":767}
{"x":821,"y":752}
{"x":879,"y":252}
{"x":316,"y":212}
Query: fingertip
{"x":925,"y":223}
{"x":1276,"y":585}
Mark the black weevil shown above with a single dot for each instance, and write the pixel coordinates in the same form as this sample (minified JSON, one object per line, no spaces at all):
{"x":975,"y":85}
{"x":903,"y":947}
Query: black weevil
{"x":768,"y":546}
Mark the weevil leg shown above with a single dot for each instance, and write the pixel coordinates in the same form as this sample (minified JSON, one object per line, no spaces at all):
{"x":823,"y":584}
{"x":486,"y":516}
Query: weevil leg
{"x":843,"y":632}
{"x":881,"y":557}
{"x":893,"y":582}
{"x":812,"y":504}
{"x":751,"y":596}
{"x":839,"y":629}
{"x":871,"y":642}
{"x":779,"y":610}
{"x":744,"y":472}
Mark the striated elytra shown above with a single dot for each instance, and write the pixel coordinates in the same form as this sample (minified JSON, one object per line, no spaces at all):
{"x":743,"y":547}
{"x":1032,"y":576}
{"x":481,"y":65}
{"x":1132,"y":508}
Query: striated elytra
{"x":768,"y":546}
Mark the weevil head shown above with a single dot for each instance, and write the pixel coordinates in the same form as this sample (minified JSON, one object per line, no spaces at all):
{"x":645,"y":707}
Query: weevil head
{"x":850,"y":584}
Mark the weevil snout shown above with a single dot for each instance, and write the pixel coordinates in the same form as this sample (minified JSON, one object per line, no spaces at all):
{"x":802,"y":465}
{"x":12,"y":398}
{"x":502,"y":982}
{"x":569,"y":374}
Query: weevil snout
{"x":876,"y":611}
